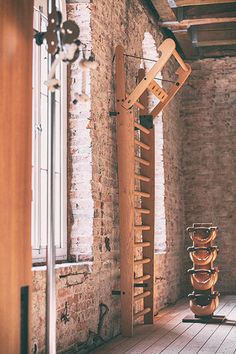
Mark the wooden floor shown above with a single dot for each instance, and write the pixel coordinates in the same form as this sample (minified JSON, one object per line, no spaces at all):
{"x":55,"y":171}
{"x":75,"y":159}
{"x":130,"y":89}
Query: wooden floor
{"x":170,"y":335}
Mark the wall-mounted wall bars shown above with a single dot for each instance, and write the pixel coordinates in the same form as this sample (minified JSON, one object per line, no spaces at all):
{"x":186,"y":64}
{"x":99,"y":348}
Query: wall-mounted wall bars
{"x":135,"y":148}
{"x":204,"y":300}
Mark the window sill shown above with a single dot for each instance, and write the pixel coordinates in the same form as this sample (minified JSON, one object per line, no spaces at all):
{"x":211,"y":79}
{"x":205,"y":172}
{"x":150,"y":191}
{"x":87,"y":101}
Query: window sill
{"x":157,"y":253}
{"x":80,"y":265}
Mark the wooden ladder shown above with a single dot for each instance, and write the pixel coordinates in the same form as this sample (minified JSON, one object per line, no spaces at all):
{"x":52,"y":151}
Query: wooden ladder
{"x":136,"y":169}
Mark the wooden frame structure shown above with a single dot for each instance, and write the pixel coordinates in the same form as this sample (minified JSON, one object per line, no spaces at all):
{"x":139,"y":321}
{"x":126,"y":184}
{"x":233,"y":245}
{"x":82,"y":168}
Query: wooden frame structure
{"x":138,"y":170}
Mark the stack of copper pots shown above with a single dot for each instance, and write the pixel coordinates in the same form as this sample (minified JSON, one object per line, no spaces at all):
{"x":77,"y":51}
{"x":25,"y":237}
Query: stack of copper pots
{"x":204,"y":299}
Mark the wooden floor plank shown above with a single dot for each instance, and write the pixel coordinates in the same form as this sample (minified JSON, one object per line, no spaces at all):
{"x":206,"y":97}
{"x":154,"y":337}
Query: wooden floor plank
{"x":171,"y":310}
{"x":168,"y":342}
{"x":200,"y":339}
{"x":136,"y":345}
{"x":143,"y":332}
{"x":219,"y":336}
{"x":170,"y":335}
{"x":229,"y":344}
{"x":160,"y":332}
{"x":167,"y":339}
{"x":177,"y":345}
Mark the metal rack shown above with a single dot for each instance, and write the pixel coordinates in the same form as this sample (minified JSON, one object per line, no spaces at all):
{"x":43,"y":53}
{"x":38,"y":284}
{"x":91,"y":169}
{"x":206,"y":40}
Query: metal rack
{"x":204,"y":300}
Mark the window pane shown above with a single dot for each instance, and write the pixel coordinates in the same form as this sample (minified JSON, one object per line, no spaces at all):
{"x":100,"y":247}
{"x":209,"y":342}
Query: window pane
{"x":44,"y":132}
{"x":57,"y":142}
{"x":44,"y":207}
{"x":43,"y":69}
{"x":57,"y":204}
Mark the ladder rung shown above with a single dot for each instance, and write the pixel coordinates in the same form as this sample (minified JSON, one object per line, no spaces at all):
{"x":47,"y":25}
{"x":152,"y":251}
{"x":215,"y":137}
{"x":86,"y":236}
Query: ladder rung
{"x":142,"y":194}
{"x":142,"y":211}
{"x":142,"y":278}
{"x":142,"y":313}
{"x":142,"y":261}
{"x":140,"y":127}
{"x":142,"y":244}
{"x":136,"y":103}
{"x":142,"y":161}
{"x":141,"y":144}
{"x":142,"y":178}
{"x":139,"y":105}
{"x":142,"y":227}
{"x":142,"y":295}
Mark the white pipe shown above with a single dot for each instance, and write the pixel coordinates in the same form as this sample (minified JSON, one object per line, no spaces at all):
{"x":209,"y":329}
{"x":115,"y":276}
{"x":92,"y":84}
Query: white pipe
{"x":51,"y":256}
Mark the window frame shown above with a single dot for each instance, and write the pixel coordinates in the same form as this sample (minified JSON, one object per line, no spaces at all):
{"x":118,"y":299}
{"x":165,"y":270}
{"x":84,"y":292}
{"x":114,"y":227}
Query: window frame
{"x":39,"y":252}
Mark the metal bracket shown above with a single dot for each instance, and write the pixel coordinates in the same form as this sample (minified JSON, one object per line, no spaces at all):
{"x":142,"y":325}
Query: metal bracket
{"x":146,"y":121}
{"x":140,"y":285}
{"x":116,"y":292}
{"x":113,"y":114}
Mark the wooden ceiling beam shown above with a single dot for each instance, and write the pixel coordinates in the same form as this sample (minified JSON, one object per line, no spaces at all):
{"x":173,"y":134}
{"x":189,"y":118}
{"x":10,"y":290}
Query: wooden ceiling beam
{"x":201,"y":15}
{"x":215,"y":43}
{"x":214,"y":52}
{"x":195,"y":22}
{"x":205,"y":11}
{"x":199,"y":2}
{"x":213,"y":37}
{"x":217,"y":27}
{"x":164,"y":10}
{"x":185,"y":42}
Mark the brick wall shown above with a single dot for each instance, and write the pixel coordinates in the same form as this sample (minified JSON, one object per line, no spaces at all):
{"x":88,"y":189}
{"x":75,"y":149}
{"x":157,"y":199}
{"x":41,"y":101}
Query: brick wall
{"x":93,"y":186}
{"x":208,"y":112}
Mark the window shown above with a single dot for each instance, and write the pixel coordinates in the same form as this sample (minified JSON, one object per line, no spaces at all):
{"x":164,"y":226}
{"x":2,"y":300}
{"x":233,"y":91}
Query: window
{"x":150,"y":52}
{"x":41,"y":142}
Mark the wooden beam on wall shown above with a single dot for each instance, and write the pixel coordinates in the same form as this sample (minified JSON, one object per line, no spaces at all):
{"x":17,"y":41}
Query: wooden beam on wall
{"x":16,"y":28}
{"x":126,"y":168}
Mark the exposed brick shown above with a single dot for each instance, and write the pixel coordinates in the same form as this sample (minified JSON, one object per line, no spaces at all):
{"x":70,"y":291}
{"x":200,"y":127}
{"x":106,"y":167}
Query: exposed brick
{"x":208,"y":111}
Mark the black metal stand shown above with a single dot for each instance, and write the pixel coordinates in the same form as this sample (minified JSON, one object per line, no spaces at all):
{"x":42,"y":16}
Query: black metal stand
{"x":205,"y":319}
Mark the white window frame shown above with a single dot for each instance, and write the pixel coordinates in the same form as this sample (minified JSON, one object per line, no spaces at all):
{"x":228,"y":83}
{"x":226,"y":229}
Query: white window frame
{"x":39,"y":251}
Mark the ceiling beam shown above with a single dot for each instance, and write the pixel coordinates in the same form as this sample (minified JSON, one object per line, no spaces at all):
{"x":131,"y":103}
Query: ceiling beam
{"x":205,"y":11}
{"x":201,"y":15}
{"x":214,"y":52}
{"x":185,"y":42}
{"x":195,"y":22}
{"x":200,"y":2}
{"x":215,"y":43}
{"x":213,"y":37}
{"x":164,"y":10}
